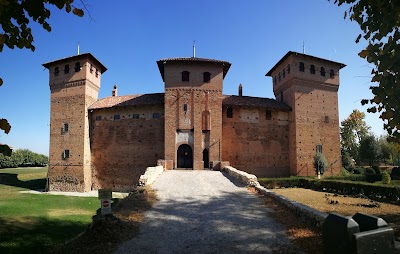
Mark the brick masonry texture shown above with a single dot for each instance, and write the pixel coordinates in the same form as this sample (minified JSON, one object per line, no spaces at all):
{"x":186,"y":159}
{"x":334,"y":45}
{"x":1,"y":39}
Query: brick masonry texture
{"x":113,"y":140}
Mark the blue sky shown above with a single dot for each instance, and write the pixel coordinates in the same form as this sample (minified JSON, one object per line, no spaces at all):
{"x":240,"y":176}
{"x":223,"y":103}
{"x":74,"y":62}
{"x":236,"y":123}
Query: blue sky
{"x":128,"y":37}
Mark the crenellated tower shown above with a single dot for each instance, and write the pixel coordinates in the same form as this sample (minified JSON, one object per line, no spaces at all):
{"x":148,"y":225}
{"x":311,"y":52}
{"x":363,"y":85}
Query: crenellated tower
{"x":74,"y":86}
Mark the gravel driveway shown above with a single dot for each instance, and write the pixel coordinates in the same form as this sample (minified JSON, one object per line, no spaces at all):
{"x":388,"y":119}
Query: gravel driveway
{"x":205,"y":212}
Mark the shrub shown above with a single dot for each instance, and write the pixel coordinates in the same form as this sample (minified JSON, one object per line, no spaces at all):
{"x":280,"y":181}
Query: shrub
{"x":385,"y":177}
{"x":371,"y":178}
{"x":376,"y":169}
{"x":350,"y":177}
{"x":359,"y":171}
{"x":320,"y":163}
{"x":395,"y":175}
{"x":369,"y":171}
{"x":344,"y":172}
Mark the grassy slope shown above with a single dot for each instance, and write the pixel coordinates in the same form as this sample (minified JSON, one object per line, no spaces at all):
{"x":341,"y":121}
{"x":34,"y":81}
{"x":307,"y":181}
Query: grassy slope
{"x":31,"y":223}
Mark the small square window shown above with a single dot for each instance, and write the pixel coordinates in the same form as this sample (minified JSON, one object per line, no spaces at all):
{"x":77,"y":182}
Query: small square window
{"x":326,"y":120}
{"x":98,"y":118}
{"x":135,"y":116}
{"x":117,"y":117}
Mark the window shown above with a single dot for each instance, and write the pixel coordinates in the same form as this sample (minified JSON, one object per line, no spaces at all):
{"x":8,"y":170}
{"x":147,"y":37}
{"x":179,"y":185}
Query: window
{"x":288,"y":69}
{"x":117,"y":117}
{"x":229,"y":112}
{"x":206,"y":77}
{"x":312,"y":69}
{"x":322,"y":71}
{"x":97,"y":72}
{"x":65,"y":154}
{"x":268,"y":114}
{"x":156,"y":115}
{"x":66,"y":69}
{"x":65,"y":127}
{"x":281,"y":96}
{"x":77,"y":67}
{"x":332,"y":73}
{"x":185,"y":108}
{"x":319,"y":148}
{"x":279,"y":77}
{"x":275,"y":80}
{"x":135,"y":116}
{"x":56,"y":71}
{"x":91,"y":68}
{"x":301,"y":67}
{"x":326,"y":120}
{"x":98,"y":118}
{"x":185,"y":75}
{"x":283,"y":73}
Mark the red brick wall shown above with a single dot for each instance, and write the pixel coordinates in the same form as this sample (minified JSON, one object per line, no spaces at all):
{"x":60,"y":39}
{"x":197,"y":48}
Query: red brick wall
{"x":254,"y":144}
{"x":123,"y":149}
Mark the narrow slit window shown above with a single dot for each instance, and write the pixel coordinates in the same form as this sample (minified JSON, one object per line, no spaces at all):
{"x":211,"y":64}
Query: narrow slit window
{"x":66,"y":69}
{"x":229,"y":112}
{"x":319,"y":148}
{"x":301,"y":67}
{"x":206,"y":77}
{"x":185,"y":107}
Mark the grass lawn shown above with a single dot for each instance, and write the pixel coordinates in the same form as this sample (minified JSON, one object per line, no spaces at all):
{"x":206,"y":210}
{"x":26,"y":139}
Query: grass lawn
{"x":32,"y":223}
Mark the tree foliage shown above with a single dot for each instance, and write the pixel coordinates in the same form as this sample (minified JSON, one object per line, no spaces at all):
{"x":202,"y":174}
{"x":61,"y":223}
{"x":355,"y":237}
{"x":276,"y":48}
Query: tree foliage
{"x":320,"y":163}
{"x":353,"y":129}
{"x":15,"y":16}
{"x":23,"y":157}
{"x":380,"y":25}
{"x":370,"y":150}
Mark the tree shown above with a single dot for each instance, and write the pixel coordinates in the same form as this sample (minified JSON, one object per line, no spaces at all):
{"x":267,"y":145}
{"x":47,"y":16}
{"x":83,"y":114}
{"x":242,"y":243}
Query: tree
{"x":353,"y":129}
{"x":320,"y":163}
{"x":385,"y":149}
{"x":380,"y":25}
{"x":15,"y":16}
{"x":395,"y":153}
{"x":370,"y":150}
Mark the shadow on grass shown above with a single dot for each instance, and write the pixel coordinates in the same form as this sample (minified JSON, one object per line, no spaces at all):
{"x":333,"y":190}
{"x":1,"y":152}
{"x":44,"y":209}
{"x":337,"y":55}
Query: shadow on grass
{"x":12,"y":180}
{"x":36,"y":234}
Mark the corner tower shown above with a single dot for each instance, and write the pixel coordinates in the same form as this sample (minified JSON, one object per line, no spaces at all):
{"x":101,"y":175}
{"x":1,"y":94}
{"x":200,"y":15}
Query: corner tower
{"x":193,"y":110}
{"x":74,"y":86}
{"x":309,"y":85}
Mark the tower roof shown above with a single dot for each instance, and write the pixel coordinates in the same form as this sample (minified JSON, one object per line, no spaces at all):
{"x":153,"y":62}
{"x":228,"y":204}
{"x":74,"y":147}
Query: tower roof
{"x":76,"y":58}
{"x":161,"y":63}
{"x":292,"y":53}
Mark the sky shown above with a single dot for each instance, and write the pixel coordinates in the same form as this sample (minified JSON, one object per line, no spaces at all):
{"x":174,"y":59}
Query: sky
{"x":128,"y":37}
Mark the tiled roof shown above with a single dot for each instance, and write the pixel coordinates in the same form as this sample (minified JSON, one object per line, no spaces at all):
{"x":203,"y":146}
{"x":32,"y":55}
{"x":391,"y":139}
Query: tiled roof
{"x":234,"y":100}
{"x":161,"y":63}
{"x":300,"y":54}
{"x":129,"y":100}
{"x":77,"y":57}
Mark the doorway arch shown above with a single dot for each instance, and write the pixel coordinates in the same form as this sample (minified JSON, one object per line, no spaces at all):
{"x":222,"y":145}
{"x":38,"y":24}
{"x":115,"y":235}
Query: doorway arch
{"x":185,"y":156}
{"x":206,"y":158}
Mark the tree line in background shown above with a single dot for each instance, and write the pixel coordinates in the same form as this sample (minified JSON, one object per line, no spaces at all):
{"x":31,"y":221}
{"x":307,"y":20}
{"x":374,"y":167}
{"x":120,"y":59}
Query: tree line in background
{"x":359,"y":146}
{"x":23,"y":158}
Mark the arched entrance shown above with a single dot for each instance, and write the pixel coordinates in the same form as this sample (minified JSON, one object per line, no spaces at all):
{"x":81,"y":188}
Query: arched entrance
{"x":185,"y":156}
{"x":206,"y":159}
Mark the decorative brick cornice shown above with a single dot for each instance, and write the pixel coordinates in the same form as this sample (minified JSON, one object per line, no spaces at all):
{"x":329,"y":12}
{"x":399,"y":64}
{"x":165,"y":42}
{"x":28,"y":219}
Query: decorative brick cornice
{"x":74,"y":83}
{"x":306,"y":83}
{"x":193,"y":89}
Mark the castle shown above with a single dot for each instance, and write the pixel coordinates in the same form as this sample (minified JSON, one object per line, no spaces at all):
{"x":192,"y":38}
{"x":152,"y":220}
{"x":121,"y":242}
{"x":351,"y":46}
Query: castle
{"x":108,"y":143}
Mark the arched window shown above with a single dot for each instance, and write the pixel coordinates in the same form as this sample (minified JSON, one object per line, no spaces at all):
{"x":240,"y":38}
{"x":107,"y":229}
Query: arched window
{"x":312,"y":69}
{"x":206,"y":77}
{"x":229,"y":112}
{"x":185,"y":75}
{"x":56,"y":71}
{"x":322,"y":71}
{"x":77,"y":66}
{"x":332,"y":73}
{"x":66,"y":69}
{"x":288,"y":69}
{"x":301,"y":67}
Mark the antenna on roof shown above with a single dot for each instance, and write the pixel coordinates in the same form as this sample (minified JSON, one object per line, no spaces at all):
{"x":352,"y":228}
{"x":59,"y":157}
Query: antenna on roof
{"x":78,"y":47}
{"x":304,"y":48}
{"x":194,"y":49}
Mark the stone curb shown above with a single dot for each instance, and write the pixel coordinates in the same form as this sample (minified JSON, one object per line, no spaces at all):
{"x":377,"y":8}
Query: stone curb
{"x":150,"y":175}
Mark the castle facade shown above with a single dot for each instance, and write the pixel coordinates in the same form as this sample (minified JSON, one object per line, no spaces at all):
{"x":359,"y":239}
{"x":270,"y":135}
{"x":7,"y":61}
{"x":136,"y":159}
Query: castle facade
{"x":108,"y":143}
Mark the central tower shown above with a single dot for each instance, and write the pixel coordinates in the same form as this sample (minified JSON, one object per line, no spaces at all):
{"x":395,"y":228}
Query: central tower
{"x":193,"y":110}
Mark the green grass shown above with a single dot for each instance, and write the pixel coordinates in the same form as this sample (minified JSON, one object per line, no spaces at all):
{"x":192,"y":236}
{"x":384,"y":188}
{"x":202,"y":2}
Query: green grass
{"x":32,"y":223}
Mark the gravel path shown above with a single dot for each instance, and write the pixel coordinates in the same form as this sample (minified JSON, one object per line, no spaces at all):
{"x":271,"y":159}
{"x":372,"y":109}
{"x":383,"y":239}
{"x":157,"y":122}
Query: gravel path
{"x":205,"y":212}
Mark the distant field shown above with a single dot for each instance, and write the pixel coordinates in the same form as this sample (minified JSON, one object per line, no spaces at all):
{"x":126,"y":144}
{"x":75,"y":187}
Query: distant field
{"x":32,"y":223}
